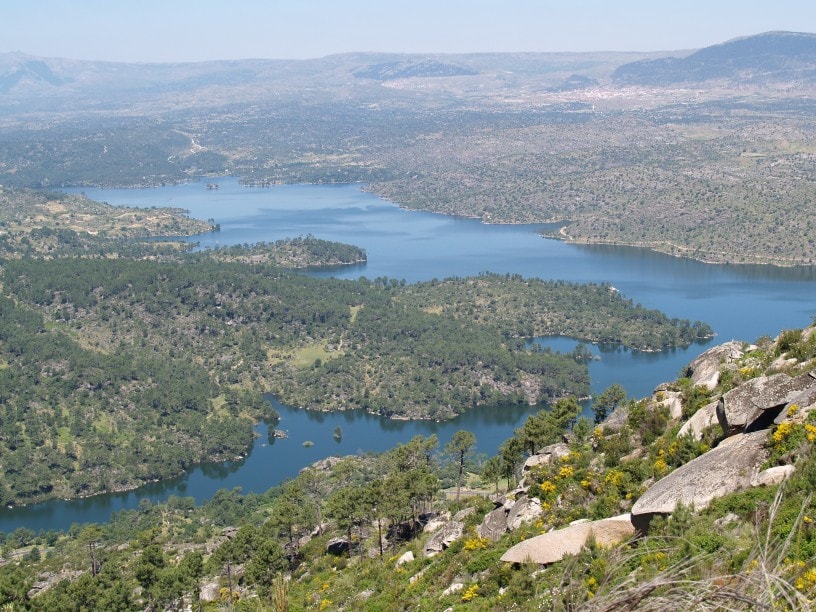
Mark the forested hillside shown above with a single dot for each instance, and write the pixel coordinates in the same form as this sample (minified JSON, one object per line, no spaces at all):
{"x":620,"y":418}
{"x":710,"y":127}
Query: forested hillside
{"x":389,"y":531}
{"x":134,"y":361}
{"x":139,"y":345}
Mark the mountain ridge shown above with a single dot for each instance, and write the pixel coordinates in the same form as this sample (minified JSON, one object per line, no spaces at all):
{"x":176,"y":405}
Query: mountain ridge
{"x":761,"y":58}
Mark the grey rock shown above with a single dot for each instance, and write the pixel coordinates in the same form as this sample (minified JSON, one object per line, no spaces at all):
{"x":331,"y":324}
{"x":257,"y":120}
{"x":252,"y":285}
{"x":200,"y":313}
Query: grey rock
{"x":704,"y":371}
{"x":436,"y":523}
{"x":525,"y":510}
{"x":546,"y":455}
{"x":463,"y":514}
{"x":210,"y":591}
{"x":444,"y":537}
{"x":618,"y":419}
{"x":729,"y":467}
{"x":673,"y":400}
{"x":773,"y":476}
{"x":701,"y":420}
{"x":494,"y":525}
{"x":453,"y":588}
{"x":742,"y":406}
{"x":728,"y":519}
{"x":405,"y":558}
{"x":555,"y":545}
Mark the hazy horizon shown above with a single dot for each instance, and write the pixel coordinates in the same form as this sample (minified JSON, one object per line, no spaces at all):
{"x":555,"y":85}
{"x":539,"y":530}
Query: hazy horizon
{"x":155,"y":31}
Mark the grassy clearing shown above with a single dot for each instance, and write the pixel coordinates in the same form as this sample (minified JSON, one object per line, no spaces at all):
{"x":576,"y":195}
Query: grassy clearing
{"x":306,"y":356}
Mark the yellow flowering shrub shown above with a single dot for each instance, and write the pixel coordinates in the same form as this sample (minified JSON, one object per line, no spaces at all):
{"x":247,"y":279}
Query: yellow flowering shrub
{"x":782,"y":432}
{"x":614,"y":477}
{"x":807,"y":580}
{"x":660,"y":466}
{"x":471,"y":593}
{"x":476,"y":543}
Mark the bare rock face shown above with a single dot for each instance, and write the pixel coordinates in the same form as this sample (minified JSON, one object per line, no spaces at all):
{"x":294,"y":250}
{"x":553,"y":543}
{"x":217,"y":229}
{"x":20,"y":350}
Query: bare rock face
{"x":618,"y":419}
{"x":405,"y":558}
{"x":453,"y":588}
{"x":546,"y":455}
{"x":525,"y":510}
{"x":494,"y":525}
{"x":436,"y":522}
{"x":704,"y":418}
{"x":463,"y":514}
{"x":555,"y":545}
{"x":773,"y":476}
{"x":674,"y":402}
{"x":508,"y":517}
{"x":210,"y":591}
{"x":743,"y":406}
{"x":444,"y":537}
{"x":729,"y":467}
{"x":704,"y":371}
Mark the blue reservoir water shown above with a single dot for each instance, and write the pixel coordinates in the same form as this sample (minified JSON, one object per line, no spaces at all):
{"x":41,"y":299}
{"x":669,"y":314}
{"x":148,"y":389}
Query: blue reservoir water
{"x":740,"y":302}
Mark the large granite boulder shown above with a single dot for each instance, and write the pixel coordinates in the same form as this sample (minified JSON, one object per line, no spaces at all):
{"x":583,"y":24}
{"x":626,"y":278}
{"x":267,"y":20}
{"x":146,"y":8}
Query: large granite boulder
{"x":508,"y":517}
{"x":437,"y":522}
{"x":673,"y":401}
{"x":555,"y":545}
{"x":443,"y":538}
{"x":701,"y":420}
{"x":407,"y":557}
{"x":704,"y":371}
{"x":773,"y":476}
{"x":729,"y":467}
{"x":494,"y":524}
{"x":525,"y":510}
{"x":747,"y":404}
{"x":618,"y":419}
{"x":546,"y":455}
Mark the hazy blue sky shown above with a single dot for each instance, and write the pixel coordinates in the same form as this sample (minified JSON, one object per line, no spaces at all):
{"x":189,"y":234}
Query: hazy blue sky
{"x":195,"y":30}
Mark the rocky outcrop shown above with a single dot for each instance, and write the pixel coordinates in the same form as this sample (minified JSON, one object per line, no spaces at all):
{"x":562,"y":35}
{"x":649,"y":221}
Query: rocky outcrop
{"x":508,"y":517}
{"x":618,"y":419}
{"x":443,"y":538}
{"x":705,"y":370}
{"x":701,"y":420}
{"x":210,"y":591}
{"x":673,"y":401}
{"x":436,"y":522}
{"x":546,"y":455}
{"x":525,"y":510}
{"x":729,"y":467}
{"x":453,"y":588}
{"x":405,"y":558}
{"x":773,"y":476}
{"x":494,"y":524}
{"x":749,"y":404}
{"x":555,"y":545}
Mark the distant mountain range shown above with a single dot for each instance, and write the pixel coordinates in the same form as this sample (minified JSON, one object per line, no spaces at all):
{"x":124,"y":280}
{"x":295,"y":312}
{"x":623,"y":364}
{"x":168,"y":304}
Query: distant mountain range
{"x":764,"y":58}
{"x":400,"y":70}
{"x":35,"y":84}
